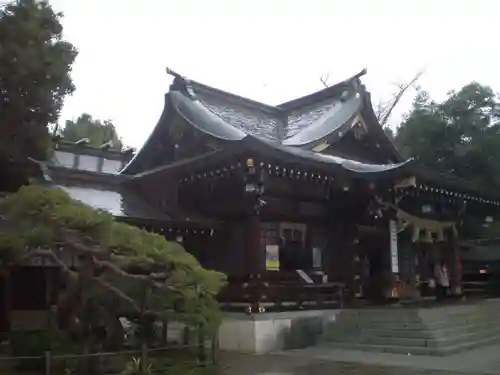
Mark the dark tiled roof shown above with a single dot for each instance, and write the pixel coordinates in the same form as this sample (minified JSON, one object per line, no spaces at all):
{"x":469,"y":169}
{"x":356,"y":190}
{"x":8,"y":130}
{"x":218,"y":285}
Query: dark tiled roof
{"x":251,"y":117}
{"x":315,"y":123}
{"x":287,"y":154}
{"x":303,"y":117}
{"x":228,"y":117}
{"x":125,"y":204}
{"x":334,"y":91}
{"x":111,"y":193}
{"x":201,"y":117}
{"x":225,"y":119}
{"x":285,"y":120}
{"x":331,"y":160}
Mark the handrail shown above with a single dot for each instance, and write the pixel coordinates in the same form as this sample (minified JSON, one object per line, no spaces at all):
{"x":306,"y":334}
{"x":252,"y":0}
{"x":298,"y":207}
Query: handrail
{"x":282,"y":293}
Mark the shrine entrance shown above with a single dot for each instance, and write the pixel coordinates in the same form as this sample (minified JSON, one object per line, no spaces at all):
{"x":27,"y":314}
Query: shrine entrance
{"x":374,"y":265}
{"x":293,"y":252}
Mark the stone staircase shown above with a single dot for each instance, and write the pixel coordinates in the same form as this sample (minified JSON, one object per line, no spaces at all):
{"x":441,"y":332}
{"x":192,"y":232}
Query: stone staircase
{"x":436,"y":331}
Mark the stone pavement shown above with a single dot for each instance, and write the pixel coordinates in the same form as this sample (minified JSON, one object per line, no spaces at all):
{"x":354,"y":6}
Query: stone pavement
{"x":326,"y":361}
{"x":485,"y":360}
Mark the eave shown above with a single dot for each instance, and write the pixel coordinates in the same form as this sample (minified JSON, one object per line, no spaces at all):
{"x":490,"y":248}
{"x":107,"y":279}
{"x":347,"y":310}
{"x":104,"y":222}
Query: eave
{"x":426,"y":179}
{"x":110,"y":193}
{"x":259,"y":149}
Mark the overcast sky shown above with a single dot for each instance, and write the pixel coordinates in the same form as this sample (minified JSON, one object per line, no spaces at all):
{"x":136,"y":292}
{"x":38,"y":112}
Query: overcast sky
{"x":269,"y":50}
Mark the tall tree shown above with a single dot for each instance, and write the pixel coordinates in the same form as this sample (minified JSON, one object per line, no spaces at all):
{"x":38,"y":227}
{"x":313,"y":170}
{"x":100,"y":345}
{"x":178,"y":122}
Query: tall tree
{"x":96,"y":131}
{"x":35,"y":65}
{"x":384,"y":110}
{"x":459,"y":135}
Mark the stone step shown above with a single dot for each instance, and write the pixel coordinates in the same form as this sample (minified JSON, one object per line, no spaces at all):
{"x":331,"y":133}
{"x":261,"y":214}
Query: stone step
{"x":429,"y":314}
{"x":389,"y":315}
{"x":432,"y":342}
{"x":380,"y":348}
{"x":417,"y":324}
{"x":417,"y":350}
{"x":461,"y":347}
{"x":432,"y":331}
{"x":427,"y":333}
{"x":341,"y":332}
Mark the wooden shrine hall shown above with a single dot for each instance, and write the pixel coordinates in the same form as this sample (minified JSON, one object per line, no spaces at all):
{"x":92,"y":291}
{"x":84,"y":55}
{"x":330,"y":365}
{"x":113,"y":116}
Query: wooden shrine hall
{"x":307,"y":204}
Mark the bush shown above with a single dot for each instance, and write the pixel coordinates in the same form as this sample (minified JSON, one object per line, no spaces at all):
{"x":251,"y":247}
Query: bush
{"x":34,"y":343}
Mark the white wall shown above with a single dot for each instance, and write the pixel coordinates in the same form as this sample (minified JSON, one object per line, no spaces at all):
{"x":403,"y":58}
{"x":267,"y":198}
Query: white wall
{"x":66,"y":159}
{"x":265,"y":333}
{"x":88,"y":163}
{"x":111,"y":166}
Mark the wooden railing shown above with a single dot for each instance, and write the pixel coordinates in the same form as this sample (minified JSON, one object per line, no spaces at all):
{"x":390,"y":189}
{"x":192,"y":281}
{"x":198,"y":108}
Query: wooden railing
{"x":475,"y":288}
{"x":279,"y":291}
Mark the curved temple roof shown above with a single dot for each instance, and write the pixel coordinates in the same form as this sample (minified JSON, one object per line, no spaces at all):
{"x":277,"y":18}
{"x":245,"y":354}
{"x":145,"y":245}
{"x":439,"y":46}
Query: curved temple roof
{"x":228,"y":117}
{"x":338,"y":115}
{"x":347,"y":164}
{"x":295,"y":123}
{"x":201,"y":118}
{"x":328,"y":160}
{"x":327,"y":163}
{"x":302,"y":121}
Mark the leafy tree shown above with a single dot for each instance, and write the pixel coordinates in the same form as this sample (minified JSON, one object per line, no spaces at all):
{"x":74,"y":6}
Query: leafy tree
{"x":121,"y":270}
{"x":98,"y":132}
{"x":458,"y":136}
{"x":35,"y":65}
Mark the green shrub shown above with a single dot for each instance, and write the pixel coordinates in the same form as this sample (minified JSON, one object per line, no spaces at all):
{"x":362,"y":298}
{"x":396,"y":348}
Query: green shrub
{"x":34,"y":343}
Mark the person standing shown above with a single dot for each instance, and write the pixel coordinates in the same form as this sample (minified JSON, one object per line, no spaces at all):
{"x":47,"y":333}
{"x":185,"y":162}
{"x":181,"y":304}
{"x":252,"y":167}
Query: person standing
{"x":445,"y":281}
{"x":442,"y":280}
{"x":437,"y":278}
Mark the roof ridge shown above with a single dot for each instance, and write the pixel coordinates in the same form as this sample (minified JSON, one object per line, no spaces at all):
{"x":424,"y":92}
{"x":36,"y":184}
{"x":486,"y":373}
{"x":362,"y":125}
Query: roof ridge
{"x":320,"y":95}
{"x":231,"y":96}
{"x":188,"y":82}
{"x":283,"y":107}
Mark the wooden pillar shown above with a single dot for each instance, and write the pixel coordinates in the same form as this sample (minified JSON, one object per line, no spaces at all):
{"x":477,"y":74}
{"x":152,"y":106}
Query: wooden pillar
{"x":455,"y":265}
{"x":254,"y":187}
{"x":343,"y":257}
{"x":253,"y":262}
{"x":343,"y":261}
{"x":409,"y":269}
{"x":253,"y":248}
{"x":357,"y":259}
{"x":393,"y":265}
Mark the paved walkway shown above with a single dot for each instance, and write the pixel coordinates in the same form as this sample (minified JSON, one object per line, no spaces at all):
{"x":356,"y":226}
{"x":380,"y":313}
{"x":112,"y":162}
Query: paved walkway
{"x":481,"y":360}
{"x":326,"y":361}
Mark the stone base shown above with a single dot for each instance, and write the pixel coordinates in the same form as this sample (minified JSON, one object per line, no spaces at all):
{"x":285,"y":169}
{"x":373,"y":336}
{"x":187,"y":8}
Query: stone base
{"x":268,"y":332}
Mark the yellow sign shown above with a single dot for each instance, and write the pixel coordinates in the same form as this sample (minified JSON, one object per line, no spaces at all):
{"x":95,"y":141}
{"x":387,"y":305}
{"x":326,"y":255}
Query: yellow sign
{"x":272,"y":258}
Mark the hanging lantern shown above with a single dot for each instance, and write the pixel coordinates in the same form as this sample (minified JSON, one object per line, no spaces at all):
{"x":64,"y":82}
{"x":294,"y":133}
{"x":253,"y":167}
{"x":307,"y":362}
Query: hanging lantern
{"x":428,"y":236}
{"x":440,"y":235}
